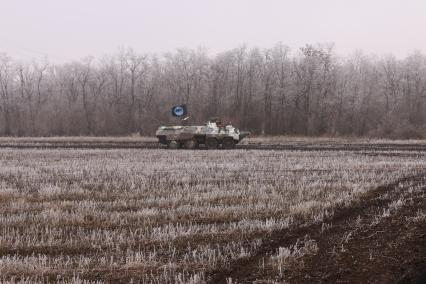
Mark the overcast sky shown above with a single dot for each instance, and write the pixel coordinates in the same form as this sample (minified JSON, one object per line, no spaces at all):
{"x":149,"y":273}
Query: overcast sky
{"x":67,"y":30}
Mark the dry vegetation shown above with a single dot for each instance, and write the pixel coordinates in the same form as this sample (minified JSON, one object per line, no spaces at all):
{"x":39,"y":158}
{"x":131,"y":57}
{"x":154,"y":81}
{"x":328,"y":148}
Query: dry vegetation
{"x":159,"y":216}
{"x":284,"y":139}
{"x":328,"y":140}
{"x":252,"y":142}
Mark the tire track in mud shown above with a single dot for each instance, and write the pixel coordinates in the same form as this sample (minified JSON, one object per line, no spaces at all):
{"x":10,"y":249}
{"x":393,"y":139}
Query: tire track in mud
{"x":359,"y":246}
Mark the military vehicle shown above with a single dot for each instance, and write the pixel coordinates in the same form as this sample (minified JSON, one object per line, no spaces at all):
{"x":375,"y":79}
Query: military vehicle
{"x":213,"y":135}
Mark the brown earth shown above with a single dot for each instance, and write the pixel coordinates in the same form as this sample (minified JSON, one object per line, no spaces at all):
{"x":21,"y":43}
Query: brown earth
{"x":361,"y":245}
{"x":415,"y":148}
{"x":358,"y":247}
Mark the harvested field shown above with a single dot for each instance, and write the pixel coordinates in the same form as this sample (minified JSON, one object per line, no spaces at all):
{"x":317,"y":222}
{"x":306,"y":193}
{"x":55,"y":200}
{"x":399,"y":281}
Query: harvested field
{"x":157,"y":216}
{"x":251,"y":143}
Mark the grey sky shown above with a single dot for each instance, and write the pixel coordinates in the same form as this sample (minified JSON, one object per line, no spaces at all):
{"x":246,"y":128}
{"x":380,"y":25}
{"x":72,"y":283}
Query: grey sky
{"x":72,"y":29}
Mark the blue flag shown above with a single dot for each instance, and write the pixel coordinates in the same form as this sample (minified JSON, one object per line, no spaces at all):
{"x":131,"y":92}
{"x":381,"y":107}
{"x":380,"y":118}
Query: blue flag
{"x":179,"y":111}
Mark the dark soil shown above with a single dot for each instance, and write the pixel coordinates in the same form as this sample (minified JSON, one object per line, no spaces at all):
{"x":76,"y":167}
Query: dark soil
{"x":359,"y":147}
{"x":358,"y":246}
{"x":362,"y":245}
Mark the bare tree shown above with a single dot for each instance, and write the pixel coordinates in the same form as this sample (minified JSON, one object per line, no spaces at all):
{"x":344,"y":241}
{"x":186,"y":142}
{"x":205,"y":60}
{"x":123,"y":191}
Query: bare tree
{"x":268,"y":91}
{"x":6,"y":92}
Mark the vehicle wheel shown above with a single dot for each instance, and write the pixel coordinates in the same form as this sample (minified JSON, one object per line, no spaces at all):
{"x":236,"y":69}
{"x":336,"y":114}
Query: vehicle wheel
{"x":211,"y":143}
{"x":228,"y":143}
{"x":173,"y":144}
{"x":190,"y":144}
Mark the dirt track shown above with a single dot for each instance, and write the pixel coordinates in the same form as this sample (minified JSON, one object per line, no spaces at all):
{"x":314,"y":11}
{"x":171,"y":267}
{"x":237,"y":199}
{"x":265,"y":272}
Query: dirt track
{"x":409,"y":147}
{"x":362,"y":245}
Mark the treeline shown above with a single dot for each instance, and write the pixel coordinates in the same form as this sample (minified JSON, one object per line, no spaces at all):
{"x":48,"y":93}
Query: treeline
{"x":275,"y":91}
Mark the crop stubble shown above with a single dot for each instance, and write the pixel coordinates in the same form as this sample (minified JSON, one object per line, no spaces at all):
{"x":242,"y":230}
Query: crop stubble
{"x":168,"y":216}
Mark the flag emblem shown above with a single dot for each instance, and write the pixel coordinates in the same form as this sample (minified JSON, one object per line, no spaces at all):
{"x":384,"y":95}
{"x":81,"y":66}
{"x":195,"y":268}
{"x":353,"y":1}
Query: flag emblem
{"x":179,"y":111}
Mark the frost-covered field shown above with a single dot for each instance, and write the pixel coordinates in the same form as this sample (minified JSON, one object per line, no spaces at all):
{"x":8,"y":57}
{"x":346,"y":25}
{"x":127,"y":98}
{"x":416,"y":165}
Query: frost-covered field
{"x":167,"y":216}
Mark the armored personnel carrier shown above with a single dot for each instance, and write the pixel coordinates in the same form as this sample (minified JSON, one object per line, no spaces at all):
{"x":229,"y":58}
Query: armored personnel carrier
{"x":213,"y":135}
